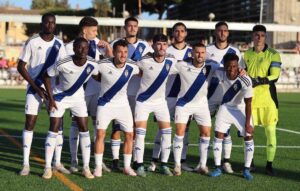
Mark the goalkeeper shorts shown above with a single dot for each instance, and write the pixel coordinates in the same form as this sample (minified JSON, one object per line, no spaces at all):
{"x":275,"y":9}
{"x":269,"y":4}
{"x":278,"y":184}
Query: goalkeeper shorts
{"x":265,"y":116}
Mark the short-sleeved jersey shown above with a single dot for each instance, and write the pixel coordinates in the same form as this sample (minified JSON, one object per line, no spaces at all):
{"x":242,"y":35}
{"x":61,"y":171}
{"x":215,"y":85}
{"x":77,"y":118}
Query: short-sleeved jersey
{"x":71,"y":77}
{"x":92,"y":87}
{"x":194,"y":83}
{"x":153,"y":82}
{"x":135,"y":52}
{"x":266,"y":63}
{"x":173,"y":82}
{"x":114,"y":82}
{"x":233,"y":92}
{"x":40,"y":54}
{"x":217,"y":54}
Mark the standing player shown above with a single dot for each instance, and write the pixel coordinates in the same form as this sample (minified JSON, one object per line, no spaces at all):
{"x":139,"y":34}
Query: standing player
{"x":113,"y":104}
{"x":181,"y":51}
{"x":151,"y":97}
{"x":216,"y":52}
{"x":40,"y":52}
{"x":235,"y":90}
{"x":136,"y":49}
{"x":192,"y":100}
{"x":98,"y":49}
{"x":263,"y":65}
{"x":73,"y":72}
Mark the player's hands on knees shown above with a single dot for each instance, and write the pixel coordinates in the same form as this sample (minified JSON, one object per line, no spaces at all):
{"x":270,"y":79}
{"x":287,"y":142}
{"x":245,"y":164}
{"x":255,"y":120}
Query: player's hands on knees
{"x":41,"y":92}
{"x":242,"y":72}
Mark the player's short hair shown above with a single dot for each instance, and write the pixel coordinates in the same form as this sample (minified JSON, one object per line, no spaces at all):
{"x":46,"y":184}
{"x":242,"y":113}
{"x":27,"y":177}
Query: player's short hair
{"x":198,"y":45}
{"x":221,"y":23}
{"x":177,"y":25}
{"x":260,"y":28}
{"x":79,"y":40}
{"x":160,"y":37}
{"x":87,"y":21}
{"x":230,"y":57}
{"x":47,"y":15}
{"x":130,"y":19}
{"x":121,"y":42}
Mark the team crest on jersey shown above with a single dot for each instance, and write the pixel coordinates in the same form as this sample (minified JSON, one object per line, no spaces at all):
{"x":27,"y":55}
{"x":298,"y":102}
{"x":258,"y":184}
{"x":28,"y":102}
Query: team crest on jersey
{"x":141,"y":49}
{"x":260,"y":60}
{"x":167,"y":66}
{"x":235,"y":87}
{"x":126,"y":73}
{"x":56,"y":47}
{"x":204,"y":70}
{"x":189,"y":54}
{"x":88,"y":70}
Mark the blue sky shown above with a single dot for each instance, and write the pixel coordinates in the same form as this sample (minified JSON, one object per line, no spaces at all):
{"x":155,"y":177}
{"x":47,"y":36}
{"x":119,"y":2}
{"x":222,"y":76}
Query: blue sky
{"x":83,"y":4}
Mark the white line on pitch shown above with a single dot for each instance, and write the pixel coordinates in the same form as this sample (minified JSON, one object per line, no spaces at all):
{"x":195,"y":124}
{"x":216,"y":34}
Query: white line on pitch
{"x":289,"y":131}
{"x":191,"y":144}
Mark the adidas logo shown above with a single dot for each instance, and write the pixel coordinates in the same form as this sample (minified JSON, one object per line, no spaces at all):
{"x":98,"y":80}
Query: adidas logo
{"x":249,"y":150}
{"x":88,"y":146}
{"x":216,"y":149}
{"x":151,"y":68}
{"x":178,"y":147}
{"x":25,"y":146}
{"x":47,"y":145}
{"x":110,"y":72}
{"x":137,"y":149}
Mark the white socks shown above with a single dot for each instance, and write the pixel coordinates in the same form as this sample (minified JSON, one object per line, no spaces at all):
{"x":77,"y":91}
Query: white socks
{"x":140,"y":144}
{"x":166,"y":136}
{"x":59,"y":147}
{"x":227,"y":146}
{"x":85,"y":143}
{"x":127,"y":160}
{"x":27,"y":140}
{"x":203,"y":148}
{"x":177,"y":149}
{"x":74,"y":142}
{"x":218,"y":151}
{"x":249,"y":151}
{"x":157,"y":145}
{"x":49,"y":147}
{"x":98,"y":160}
{"x":185,"y":144}
{"x":115,"y":148}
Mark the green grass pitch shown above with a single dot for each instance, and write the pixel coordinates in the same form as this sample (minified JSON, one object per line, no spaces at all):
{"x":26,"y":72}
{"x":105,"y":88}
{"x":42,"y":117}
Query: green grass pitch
{"x":287,"y":161}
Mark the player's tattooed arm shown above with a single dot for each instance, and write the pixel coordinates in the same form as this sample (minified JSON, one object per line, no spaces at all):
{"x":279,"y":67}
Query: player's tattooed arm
{"x":24,"y":73}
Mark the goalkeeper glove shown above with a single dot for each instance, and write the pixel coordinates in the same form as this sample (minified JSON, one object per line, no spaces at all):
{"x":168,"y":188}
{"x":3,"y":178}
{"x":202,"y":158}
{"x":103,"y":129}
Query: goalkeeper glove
{"x":259,"y":81}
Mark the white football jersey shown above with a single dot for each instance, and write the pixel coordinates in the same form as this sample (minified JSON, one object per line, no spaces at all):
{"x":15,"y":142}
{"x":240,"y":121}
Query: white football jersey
{"x":135,"y":52}
{"x":92,"y":87}
{"x":194,"y":83}
{"x":114,"y":82}
{"x":216,"y":54}
{"x":71,"y":77}
{"x":233,"y":91}
{"x":173,"y":82}
{"x":153,"y":82}
{"x":40,"y":54}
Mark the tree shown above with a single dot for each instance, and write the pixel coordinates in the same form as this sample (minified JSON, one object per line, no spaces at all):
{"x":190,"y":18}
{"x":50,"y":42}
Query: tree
{"x":49,"y":4}
{"x":151,"y":6}
{"x":102,"y":8}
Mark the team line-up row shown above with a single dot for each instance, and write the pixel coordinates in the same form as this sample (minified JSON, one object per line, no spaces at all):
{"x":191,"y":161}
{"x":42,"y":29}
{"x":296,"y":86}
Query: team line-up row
{"x":127,"y":82}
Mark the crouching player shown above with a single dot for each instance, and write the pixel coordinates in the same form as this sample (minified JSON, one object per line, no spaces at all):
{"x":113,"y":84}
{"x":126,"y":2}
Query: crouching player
{"x":113,"y":104}
{"x":73,"y":72}
{"x":192,"y":100}
{"x":235,"y":89}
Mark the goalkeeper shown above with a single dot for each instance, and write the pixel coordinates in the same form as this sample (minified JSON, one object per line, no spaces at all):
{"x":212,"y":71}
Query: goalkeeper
{"x":263,"y":66}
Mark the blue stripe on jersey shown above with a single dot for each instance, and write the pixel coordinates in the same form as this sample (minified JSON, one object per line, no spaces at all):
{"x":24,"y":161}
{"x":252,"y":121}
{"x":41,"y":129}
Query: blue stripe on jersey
{"x":214,"y":82}
{"x":193,"y":90}
{"x":92,"y":49}
{"x":175,"y":87}
{"x":162,"y":76}
{"x":188,"y":54}
{"x":50,"y":60}
{"x":230,"y":50}
{"x":109,"y":94}
{"x":138,"y":52}
{"x":79,"y":82}
{"x":232,"y":91}
{"x":276,"y":64}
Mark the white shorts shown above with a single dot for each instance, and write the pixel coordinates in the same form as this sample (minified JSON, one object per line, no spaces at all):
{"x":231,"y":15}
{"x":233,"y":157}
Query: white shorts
{"x":122,"y":115}
{"x":213,"y":108}
{"x":143,"y":110}
{"x":76,"y":105}
{"x":171,"y":101}
{"x":131,"y":100}
{"x":227,"y":116}
{"x":91,"y":104}
{"x":33,"y":104}
{"x":200,"y":114}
